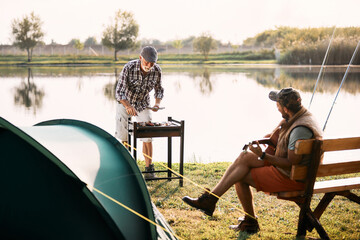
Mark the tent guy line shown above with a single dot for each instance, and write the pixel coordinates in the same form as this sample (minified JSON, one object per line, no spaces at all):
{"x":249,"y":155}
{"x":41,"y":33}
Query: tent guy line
{"x":130,"y":210}
{"x":203,"y":188}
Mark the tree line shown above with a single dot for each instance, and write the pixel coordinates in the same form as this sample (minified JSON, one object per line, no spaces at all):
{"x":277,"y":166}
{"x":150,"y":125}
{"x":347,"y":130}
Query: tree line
{"x":290,"y":45}
{"x":120,"y":34}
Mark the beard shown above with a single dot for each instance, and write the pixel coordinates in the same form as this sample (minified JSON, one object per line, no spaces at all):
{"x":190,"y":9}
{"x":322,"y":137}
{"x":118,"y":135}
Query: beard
{"x":146,"y":69}
{"x":285,"y":116}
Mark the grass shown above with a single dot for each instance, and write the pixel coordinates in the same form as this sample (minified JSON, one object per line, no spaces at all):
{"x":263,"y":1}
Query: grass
{"x":277,"y":218}
{"x":68,"y":60}
{"x":59,"y":60}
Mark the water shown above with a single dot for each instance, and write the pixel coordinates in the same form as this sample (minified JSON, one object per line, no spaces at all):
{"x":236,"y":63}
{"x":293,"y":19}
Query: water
{"x":224,"y":107}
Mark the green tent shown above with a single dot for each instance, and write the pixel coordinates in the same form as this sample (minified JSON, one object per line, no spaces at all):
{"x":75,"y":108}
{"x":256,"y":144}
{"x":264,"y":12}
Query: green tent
{"x":49,"y":174}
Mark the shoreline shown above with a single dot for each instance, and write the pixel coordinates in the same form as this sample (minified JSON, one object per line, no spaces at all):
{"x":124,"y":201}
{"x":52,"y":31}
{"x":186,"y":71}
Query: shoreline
{"x":164,"y":60}
{"x":165,"y":64}
{"x":79,"y":63}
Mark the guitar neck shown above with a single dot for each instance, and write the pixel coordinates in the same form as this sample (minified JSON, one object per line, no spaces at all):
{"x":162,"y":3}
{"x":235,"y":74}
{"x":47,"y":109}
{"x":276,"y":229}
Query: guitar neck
{"x":267,"y":141}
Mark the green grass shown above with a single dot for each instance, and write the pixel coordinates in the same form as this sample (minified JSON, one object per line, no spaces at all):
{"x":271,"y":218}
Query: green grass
{"x":68,"y":60}
{"x":277,"y":218}
{"x":58,"y":60}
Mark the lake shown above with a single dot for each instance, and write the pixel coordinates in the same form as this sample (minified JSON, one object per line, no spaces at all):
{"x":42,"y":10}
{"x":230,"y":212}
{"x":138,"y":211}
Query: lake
{"x":224,"y":106}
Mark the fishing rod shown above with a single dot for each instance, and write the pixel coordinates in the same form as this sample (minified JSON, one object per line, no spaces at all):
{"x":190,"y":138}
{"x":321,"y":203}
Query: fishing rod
{"x":342,"y":82}
{"x":322,"y":66}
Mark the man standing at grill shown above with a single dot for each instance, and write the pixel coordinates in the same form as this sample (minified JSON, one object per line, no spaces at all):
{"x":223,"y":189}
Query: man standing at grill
{"x":136,"y":80}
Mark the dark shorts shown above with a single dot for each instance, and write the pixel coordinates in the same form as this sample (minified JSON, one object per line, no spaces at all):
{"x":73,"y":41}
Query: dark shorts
{"x":269,"y":179}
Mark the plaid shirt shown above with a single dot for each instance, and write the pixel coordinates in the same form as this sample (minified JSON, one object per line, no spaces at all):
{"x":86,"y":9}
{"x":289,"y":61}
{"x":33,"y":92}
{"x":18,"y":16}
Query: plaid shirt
{"x":135,"y":88}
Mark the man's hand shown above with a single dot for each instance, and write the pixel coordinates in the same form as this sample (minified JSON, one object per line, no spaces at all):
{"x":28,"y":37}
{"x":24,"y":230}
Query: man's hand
{"x":131,"y":111}
{"x":255,"y":148}
{"x":155,"y":108}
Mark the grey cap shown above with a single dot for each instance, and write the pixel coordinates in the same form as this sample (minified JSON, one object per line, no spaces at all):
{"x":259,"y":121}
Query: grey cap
{"x":287,"y":97}
{"x":149,"y":53}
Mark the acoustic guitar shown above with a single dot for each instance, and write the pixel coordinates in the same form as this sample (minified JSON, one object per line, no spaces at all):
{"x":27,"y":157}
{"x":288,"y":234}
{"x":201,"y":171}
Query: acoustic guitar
{"x":271,"y":142}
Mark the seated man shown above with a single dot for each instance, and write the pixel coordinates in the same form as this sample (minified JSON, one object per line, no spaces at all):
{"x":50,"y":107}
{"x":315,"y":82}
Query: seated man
{"x":265,"y":172}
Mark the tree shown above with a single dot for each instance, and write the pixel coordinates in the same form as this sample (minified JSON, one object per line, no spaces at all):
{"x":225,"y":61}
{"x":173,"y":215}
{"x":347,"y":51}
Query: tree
{"x":90,"y":41}
{"x":78,"y":45}
{"x":204,"y":44}
{"x":188,"y":41}
{"x":122,"y":33}
{"x":178,"y":45}
{"x":27,"y":33}
{"x":72,"y":42}
{"x":235,"y":47}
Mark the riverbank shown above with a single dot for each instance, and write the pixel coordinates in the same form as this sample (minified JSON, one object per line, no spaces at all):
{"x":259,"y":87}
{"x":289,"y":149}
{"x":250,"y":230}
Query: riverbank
{"x":80,"y":60}
{"x":277,"y":218}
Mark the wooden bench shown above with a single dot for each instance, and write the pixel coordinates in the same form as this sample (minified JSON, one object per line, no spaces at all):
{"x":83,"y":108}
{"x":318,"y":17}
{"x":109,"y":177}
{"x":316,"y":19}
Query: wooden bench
{"x":308,"y":219}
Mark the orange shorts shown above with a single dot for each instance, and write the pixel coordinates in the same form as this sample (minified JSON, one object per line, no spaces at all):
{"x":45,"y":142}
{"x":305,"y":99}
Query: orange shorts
{"x":269,"y":179}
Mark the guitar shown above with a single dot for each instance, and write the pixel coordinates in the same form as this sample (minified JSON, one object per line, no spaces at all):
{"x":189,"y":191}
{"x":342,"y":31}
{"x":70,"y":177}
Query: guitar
{"x":271,"y":142}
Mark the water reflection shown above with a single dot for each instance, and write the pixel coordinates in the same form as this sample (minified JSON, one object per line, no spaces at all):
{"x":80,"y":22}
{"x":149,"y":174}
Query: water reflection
{"x":109,"y":88}
{"x":28,"y":94}
{"x":304,"y":79}
{"x":203,"y":81}
{"x":55,"y":71}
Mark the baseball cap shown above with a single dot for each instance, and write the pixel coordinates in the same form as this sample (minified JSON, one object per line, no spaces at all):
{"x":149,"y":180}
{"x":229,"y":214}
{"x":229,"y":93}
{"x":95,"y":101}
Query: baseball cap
{"x":287,"y":97}
{"x":149,"y":53}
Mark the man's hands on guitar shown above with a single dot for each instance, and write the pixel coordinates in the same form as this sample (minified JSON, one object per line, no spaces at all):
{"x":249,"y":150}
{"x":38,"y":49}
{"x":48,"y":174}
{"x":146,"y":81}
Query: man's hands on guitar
{"x":255,"y":148}
{"x":269,"y":142}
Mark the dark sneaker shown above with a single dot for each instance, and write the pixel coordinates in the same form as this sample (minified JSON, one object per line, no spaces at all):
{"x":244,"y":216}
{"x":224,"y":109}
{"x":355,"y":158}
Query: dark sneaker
{"x":246,"y":224}
{"x":206,"y":202}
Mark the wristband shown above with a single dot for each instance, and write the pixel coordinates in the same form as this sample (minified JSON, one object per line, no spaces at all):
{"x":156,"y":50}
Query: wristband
{"x":262,"y":157}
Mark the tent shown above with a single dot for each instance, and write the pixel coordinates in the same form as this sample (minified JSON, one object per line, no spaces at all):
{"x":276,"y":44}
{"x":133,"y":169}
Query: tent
{"x":49,"y":176}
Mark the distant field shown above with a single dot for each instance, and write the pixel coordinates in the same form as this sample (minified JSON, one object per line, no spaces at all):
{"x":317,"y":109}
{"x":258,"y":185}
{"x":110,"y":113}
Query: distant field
{"x":226,"y":58}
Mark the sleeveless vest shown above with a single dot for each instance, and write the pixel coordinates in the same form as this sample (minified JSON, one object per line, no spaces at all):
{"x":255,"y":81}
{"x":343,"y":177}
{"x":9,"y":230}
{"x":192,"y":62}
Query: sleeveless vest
{"x":302,"y":118}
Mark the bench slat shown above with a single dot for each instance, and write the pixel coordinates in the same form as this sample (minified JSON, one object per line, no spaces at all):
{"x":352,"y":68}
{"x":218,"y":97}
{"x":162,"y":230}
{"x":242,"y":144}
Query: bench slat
{"x":299,"y":172}
{"x":325,"y":186}
{"x":341,"y":144}
{"x":337,"y":185}
{"x":305,"y":146}
{"x":338,"y":168}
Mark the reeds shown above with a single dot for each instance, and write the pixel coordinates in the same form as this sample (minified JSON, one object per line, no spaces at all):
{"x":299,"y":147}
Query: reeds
{"x":340,"y":53}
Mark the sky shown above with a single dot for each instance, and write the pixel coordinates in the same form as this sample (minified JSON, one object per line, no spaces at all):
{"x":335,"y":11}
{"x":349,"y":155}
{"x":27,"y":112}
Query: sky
{"x":226,"y":20}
